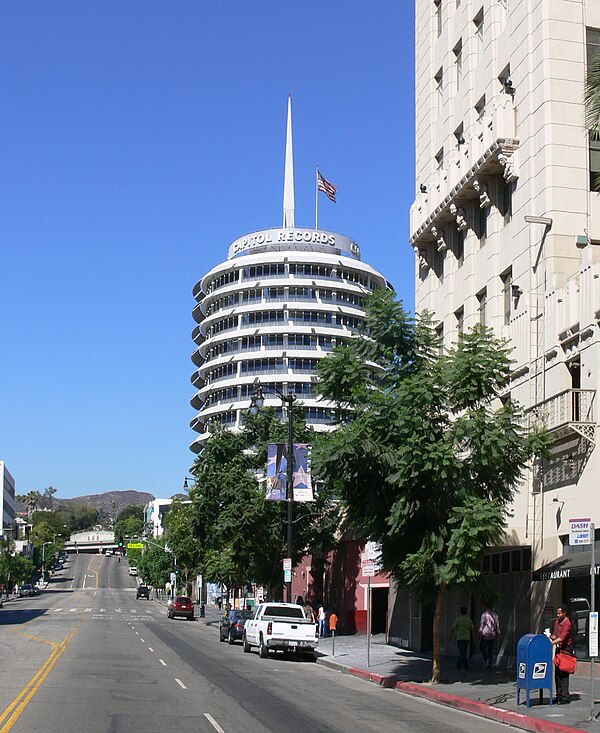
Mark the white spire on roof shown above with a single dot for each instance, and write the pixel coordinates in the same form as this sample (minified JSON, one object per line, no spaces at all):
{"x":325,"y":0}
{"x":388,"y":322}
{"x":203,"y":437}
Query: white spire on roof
{"x":288,"y":176}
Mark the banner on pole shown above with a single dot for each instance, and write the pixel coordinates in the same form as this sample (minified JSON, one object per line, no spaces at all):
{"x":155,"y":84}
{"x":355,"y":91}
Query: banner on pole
{"x":277,"y":472}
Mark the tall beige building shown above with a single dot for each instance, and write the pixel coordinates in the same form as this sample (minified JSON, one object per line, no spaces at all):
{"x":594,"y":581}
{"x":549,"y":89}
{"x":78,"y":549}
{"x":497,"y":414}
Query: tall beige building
{"x":506,"y":232}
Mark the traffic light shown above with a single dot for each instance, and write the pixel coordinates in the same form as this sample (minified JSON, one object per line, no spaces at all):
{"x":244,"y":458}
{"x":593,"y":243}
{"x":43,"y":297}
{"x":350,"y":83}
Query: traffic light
{"x":120,"y":540}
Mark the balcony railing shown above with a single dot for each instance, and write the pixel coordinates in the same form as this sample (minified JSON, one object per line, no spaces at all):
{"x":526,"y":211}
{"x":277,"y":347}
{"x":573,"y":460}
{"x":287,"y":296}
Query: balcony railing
{"x":572,"y":410}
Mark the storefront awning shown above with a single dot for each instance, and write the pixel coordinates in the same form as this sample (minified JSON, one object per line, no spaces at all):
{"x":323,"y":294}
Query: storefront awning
{"x":567,"y":566}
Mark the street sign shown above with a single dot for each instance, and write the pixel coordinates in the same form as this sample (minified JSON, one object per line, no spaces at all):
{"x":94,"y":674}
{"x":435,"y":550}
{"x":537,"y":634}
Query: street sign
{"x":173,"y":578}
{"x":135,"y":545}
{"x":287,"y":576}
{"x":593,"y":627}
{"x":368,"y":568}
{"x":287,"y":563}
{"x":580,"y":531}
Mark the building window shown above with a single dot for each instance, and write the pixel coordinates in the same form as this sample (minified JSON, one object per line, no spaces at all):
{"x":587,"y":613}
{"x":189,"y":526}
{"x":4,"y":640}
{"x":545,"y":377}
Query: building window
{"x":439,"y":159}
{"x":439,"y":89}
{"x":458,"y":65}
{"x":506,"y":194}
{"x":439,"y":332}
{"x":482,"y":301}
{"x":460,"y":319}
{"x":594,"y":147}
{"x":592,"y":36}
{"x":478,"y":22}
{"x":507,"y":281}
{"x":481,"y":217}
{"x":459,"y":248}
{"x":592,"y":50}
{"x":438,"y":263}
{"x":437,"y":5}
{"x":459,"y":136}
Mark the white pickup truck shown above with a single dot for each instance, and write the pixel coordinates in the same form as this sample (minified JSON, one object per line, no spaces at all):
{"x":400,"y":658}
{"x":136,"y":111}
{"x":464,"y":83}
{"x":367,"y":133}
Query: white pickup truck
{"x":281,"y":626}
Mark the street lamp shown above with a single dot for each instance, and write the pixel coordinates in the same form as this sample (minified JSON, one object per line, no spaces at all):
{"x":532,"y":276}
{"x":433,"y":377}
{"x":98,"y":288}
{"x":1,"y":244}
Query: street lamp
{"x":257,"y":402}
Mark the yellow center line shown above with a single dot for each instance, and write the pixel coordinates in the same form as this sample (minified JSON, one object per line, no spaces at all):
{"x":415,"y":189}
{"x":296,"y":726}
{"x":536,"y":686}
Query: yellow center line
{"x":12,"y":713}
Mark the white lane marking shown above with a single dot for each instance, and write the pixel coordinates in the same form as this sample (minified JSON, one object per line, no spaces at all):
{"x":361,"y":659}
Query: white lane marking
{"x":71,"y":610}
{"x":133,"y":610}
{"x":86,"y":609}
{"x":56,"y":610}
{"x":95,"y":592}
{"x":137,"y":632}
{"x":164,"y":664}
{"x":102,"y":610}
{"x":84,"y":577}
{"x":150,"y":649}
{"x":143,"y":642}
{"x":118,"y":610}
{"x":180,"y":683}
{"x":214,"y":723}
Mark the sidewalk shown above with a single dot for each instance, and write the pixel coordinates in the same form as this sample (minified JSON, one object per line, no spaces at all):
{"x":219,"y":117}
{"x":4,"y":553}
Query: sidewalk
{"x":489,"y":694}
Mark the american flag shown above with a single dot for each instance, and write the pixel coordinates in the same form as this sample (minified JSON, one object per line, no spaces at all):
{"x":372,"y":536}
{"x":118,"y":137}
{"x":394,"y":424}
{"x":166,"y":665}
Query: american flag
{"x":328,"y":188}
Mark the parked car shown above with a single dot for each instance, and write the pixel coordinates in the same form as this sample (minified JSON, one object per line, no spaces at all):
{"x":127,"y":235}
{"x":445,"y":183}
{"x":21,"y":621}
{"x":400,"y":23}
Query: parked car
{"x":281,"y":626}
{"x":231,"y":626}
{"x":26,"y":590}
{"x":58,"y":566}
{"x":133,"y":570}
{"x":108,"y":553}
{"x":143,"y":592}
{"x":181,"y":606}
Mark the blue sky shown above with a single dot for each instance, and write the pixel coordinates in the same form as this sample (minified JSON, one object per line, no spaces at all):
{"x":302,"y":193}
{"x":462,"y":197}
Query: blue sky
{"x":137,"y":140}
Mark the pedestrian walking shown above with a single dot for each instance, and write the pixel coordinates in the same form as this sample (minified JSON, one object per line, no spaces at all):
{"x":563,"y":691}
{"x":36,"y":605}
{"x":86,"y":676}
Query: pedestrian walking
{"x":308,"y":611}
{"x":562,"y":639}
{"x":464,"y":629}
{"x":489,"y":631}
{"x":322,"y":618}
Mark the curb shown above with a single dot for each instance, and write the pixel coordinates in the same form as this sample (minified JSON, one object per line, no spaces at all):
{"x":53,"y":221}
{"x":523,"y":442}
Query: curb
{"x":491,"y":712}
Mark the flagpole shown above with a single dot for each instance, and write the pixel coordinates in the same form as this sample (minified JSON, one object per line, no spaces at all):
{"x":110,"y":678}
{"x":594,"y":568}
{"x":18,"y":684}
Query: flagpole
{"x":317,"y":198}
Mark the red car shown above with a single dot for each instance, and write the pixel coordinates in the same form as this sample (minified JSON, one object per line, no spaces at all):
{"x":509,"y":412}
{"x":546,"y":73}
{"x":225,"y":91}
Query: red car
{"x":181,"y":606}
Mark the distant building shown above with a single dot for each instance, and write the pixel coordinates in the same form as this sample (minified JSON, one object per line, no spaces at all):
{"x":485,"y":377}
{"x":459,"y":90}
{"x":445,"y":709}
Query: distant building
{"x":279,"y":303}
{"x":154,"y":514}
{"x":7,"y":487}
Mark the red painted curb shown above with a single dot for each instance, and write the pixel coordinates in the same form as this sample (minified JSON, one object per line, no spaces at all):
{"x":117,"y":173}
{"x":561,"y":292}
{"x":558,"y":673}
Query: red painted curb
{"x":508,"y":717}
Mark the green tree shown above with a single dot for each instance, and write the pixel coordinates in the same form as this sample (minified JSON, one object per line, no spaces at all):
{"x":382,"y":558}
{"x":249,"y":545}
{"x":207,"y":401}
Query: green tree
{"x":431,"y":459}
{"x":155,"y":565}
{"x":240,"y":534}
{"x":180,"y":539}
{"x":130,"y":522}
{"x":42,"y":532}
{"x":31,"y":499}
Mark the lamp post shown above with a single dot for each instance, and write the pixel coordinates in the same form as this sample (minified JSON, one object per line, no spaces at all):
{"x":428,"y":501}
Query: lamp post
{"x":257,"y":402}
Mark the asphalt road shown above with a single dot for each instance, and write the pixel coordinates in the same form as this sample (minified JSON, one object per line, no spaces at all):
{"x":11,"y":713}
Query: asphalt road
{"x":86,"y":657}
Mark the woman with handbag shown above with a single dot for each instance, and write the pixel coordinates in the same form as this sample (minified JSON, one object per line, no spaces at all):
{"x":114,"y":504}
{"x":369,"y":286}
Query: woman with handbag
{"x":564,"y":659}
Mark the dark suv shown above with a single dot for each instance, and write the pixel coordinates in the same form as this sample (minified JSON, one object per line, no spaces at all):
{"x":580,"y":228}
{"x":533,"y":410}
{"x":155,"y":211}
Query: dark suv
{"x":181,"y":606}
{"x":143,"y":592}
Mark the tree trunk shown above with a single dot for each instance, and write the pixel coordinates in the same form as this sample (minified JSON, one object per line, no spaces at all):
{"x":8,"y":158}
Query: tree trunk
{"x":437,"y":615}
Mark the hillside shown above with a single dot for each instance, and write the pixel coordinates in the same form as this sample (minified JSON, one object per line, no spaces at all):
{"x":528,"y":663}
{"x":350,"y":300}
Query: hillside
{"x":110,"y":502}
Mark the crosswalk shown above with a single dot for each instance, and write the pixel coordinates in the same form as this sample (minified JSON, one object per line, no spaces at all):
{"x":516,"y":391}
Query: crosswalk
{"x":100,"y":611}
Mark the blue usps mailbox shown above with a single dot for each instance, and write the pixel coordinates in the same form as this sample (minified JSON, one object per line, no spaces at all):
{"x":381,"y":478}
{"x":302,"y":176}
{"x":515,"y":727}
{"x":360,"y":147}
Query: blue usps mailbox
{"x":534,"y":666}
